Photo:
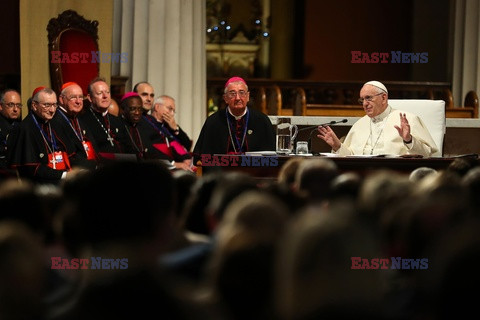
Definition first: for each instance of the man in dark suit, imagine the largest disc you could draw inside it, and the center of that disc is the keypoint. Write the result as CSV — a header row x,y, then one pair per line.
x,y
10,115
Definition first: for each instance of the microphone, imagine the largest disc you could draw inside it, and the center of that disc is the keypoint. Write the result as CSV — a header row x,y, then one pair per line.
x,y
324,124
321,125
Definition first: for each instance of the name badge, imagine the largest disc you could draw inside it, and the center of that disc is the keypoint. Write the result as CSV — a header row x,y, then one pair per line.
x,y
58,160
87,145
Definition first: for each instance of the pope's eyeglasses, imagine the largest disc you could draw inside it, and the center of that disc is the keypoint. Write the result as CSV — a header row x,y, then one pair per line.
x,y
368,98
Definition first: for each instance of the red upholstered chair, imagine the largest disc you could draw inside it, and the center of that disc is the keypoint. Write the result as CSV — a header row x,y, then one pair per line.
x,y
73,47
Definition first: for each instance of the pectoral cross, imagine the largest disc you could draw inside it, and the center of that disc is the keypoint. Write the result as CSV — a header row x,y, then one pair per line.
x,y
53,161
110,139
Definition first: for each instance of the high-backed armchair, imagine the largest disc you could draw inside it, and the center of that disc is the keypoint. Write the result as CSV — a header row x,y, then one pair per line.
x,y
73,46
432,113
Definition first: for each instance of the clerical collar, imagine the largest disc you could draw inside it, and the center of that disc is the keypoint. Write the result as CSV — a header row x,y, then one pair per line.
x,y
65,112
39,119
237,117
104,113
382,115
131,123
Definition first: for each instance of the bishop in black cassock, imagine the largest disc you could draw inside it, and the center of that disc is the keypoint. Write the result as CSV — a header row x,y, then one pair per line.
x,y
150,142
237,128
71,105
104,130
6,126
30,144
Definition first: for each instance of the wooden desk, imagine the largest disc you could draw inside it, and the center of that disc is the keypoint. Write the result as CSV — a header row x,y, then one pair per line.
x,y
362,165
461,135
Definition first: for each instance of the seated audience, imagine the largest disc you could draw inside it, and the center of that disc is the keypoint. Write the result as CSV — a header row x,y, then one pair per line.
x,y
240,276
137,238
23,277
313,267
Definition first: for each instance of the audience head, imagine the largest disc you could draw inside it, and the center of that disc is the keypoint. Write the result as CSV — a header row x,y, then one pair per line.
x,y
104,218
184,184
131,106
380,190
11,105
236,95
287,173
71,98
163,105
461,166
20,202
22,273
346,186
471,180
145,91
452,278
242,263
99,94
230,186
196,207
314,273
374,98
44,103
420,173
416,221
314,178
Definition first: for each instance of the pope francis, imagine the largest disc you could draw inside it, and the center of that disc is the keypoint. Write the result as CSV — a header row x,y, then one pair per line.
x,y
383,130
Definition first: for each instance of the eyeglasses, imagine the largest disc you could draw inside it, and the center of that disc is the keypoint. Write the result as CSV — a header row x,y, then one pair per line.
x,y
368,98
233,94
47,105
10,105
75,98
135,109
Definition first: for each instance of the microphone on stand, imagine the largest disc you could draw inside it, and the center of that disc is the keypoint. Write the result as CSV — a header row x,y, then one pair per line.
x,y
324,124
315,128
